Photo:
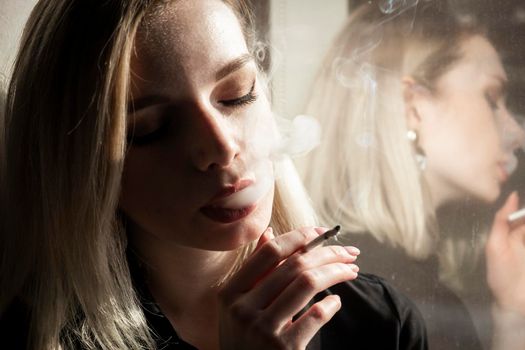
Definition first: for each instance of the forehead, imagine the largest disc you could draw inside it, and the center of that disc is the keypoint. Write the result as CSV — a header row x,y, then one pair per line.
x,y
479,63
481,54
193,37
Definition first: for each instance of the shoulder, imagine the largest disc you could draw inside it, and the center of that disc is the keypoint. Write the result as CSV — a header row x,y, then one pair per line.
x,y
374,315
381,300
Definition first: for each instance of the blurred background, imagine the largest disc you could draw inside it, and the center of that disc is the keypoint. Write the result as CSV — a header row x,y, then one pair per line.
x,y
298,33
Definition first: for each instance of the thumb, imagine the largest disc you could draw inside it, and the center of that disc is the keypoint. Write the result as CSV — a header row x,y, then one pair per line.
x,y
510,206
501,224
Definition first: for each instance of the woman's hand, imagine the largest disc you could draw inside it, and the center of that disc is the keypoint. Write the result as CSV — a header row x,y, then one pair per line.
x,y
505,253
258,303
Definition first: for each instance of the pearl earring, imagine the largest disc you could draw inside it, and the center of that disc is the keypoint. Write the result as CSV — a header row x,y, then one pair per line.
x,y
420,157
412,135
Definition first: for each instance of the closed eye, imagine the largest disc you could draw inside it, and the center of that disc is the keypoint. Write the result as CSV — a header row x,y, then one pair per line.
x,y
150,127
493,103
139,140
247,99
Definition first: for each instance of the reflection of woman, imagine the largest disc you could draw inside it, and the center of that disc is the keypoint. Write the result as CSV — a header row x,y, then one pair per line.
x,y
412,105
157,110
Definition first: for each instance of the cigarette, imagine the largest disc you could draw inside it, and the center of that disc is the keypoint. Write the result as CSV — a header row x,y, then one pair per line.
x,y
517,215
319,240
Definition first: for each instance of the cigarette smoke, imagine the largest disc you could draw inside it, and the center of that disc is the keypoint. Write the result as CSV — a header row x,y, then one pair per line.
x,y
297,137
290,138
512,136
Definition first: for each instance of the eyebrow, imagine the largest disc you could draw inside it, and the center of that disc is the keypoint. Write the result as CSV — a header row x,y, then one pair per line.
x,y
234,65
142,102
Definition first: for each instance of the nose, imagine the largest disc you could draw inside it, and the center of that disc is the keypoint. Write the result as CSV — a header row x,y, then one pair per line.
x,y
215,143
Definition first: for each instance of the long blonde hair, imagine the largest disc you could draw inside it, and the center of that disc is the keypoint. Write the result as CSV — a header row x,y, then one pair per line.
x,y
364,174
62,244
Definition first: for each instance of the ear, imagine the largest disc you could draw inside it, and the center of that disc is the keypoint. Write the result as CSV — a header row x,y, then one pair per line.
x,y
414,95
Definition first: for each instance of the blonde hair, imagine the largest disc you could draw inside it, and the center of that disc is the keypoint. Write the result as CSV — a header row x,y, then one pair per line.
x,y
364,174
63,246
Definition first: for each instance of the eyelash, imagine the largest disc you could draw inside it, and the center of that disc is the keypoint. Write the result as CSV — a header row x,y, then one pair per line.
x,y
493,104
247,99
148,138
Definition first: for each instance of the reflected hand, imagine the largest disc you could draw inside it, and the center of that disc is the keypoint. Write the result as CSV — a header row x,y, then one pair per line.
x,y
505,251
257,304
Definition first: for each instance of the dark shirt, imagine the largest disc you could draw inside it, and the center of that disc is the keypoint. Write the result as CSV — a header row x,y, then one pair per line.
x,y
373,316
448,321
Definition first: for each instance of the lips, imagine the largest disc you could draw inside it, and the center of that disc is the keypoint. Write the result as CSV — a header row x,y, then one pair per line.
x,y
511,164
507,166
228,190
217,209
225,215
504,172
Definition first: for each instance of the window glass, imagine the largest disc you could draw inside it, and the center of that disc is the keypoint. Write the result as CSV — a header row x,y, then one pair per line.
x,y
421,105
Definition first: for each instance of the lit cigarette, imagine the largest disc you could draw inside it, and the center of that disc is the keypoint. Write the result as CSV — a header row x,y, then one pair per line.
x,y
517,215
319,240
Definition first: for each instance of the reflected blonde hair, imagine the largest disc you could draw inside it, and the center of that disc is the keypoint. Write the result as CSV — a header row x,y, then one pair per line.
x,y
364,174
62,244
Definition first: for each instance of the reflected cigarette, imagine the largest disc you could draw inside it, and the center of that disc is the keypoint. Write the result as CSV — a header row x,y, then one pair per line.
x,y
319,240
517,215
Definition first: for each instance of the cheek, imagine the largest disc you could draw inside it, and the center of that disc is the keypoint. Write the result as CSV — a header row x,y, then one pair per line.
x,y
131,190
467,132
462,144
259,131
150,188
483,138
262,219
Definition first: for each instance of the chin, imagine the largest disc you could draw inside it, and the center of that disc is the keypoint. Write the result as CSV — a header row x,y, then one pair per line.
x,y
233,237
488,196
236,235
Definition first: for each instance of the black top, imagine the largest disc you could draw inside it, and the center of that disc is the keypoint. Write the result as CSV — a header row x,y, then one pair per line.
x,y
373,316
448,321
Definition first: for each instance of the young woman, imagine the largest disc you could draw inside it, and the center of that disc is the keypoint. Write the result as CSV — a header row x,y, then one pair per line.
x,y
141,206
412,105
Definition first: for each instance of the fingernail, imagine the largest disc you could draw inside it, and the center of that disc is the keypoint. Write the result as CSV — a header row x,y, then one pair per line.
x,y
320,230
353,250
269,232
336,299
354,268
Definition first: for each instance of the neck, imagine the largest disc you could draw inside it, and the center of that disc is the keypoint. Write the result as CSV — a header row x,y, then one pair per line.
x,y
184,283
440,192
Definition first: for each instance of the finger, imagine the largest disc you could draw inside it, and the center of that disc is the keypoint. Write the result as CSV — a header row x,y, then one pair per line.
x,y
512,211
269,255
500,226
517,228
265,237
273,284
306,326
299,293
510,205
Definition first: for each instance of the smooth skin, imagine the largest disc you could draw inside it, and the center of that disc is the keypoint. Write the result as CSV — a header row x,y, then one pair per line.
x,y
464,127
198,104
276,284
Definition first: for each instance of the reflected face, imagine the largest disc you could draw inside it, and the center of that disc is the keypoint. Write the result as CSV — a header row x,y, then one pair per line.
x,y
463,125
198,130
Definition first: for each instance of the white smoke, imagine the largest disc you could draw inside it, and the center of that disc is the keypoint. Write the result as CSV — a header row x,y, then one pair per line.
x,y
292,138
